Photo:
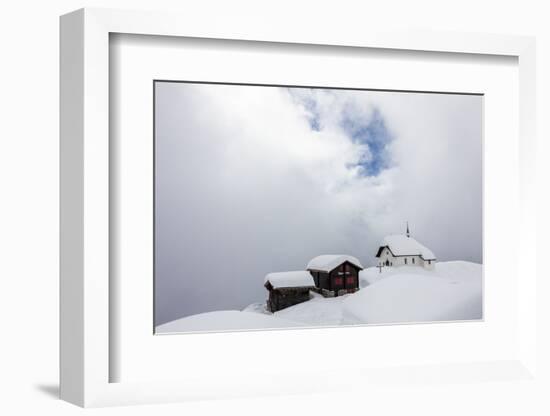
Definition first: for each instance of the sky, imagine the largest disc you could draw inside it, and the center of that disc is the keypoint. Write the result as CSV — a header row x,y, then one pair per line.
x,y
254,179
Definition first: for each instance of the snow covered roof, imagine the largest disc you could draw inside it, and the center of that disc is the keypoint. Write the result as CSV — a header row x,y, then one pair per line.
x,y
290,279
401,245
328,262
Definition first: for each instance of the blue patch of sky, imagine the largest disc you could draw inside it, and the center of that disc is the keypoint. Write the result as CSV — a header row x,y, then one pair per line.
x,y
374,135
313,117
370,133
310,105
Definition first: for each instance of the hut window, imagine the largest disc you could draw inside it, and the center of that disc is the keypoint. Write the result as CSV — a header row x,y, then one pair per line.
x,y
338,280
413,260
350,280
405,260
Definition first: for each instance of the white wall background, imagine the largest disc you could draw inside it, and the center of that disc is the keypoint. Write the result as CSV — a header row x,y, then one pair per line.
x,y
29,192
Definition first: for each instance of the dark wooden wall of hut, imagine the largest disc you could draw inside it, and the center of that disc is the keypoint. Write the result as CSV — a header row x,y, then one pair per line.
x,y
346,272
285,297
329,281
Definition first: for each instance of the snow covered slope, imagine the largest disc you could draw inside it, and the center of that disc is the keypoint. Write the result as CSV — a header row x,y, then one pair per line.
x,y
317,311
225,321
453,291
410,294
374,274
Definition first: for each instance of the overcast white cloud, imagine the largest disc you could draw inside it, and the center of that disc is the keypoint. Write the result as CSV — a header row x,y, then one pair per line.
x,y
251,180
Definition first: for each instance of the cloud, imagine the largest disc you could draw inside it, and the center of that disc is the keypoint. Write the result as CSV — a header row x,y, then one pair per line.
x,y
252,180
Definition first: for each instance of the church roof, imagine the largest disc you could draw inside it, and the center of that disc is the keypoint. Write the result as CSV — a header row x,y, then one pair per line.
x,y
401,245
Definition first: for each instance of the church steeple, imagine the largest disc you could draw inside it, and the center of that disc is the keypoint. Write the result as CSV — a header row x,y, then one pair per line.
x,y
408,232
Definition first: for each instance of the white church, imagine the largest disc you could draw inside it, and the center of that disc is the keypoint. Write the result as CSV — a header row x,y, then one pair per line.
x,y
403,250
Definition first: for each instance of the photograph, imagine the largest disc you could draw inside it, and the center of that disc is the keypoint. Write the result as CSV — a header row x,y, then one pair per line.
x,y
285,207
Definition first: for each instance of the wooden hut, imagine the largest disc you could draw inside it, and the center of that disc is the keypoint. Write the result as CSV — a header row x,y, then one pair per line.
x,y
335,275
287,289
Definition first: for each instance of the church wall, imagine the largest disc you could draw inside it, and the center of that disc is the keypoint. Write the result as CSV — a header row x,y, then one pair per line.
x,y
400,260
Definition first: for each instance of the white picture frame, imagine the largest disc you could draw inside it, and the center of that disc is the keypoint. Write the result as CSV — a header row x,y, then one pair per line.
x,y
85,205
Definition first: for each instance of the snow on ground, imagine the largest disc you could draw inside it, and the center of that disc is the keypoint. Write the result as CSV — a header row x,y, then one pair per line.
x,y
452,291
461,270
225,321
317,311
412,294
374,274
257,307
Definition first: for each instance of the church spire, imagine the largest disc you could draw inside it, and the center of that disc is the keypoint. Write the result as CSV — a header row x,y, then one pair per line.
x,y
408,232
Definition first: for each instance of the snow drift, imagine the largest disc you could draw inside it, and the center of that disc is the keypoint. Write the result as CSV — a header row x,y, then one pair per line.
x,y
450,292
409,294
225,321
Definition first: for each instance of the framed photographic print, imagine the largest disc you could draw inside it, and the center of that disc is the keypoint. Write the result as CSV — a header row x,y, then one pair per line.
x,y
285,207
287,198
